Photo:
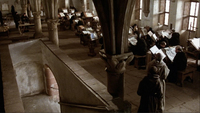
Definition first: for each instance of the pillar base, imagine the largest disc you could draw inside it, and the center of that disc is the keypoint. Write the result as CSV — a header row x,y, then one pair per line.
x,y
38,35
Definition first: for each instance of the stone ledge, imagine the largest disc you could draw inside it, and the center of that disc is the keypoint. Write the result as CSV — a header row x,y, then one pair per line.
x,y
12,99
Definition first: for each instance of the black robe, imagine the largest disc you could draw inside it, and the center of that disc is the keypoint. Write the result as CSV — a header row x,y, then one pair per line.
x,y
150,90
140,48
179,64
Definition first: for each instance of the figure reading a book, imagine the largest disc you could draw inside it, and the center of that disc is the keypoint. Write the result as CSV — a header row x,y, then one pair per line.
x,y
179,63
150,90
140,48
161,40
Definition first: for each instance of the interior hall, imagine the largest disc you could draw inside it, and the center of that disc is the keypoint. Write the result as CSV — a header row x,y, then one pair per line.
x,y
93,56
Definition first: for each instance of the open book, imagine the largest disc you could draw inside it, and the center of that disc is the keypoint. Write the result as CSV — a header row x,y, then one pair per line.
x,y
87,14
155,50
65,10
195,42
62,14
144,31
153,36
86,32
132,40
171,53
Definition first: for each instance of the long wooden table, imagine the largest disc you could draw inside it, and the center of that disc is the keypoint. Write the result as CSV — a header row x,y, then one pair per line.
x,y
21,27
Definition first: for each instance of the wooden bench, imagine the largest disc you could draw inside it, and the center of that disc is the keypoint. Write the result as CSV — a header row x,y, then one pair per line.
x,y
139,61
181,75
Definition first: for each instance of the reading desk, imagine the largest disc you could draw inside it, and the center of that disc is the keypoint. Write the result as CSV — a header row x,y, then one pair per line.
x,y
22,27
194,48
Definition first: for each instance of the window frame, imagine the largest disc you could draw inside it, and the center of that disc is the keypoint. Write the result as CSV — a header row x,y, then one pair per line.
x,y
186,17
138,8
163,13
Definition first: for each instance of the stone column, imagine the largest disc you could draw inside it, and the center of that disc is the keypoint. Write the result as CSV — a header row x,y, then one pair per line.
x,y
24,9
38,26
115,68
24,6
115,23
36,9
51,12
84,5
67,4
53,30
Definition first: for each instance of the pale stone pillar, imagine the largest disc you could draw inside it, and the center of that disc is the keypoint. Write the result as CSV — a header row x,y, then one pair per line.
x,y
38,26
51,12
53,30
36,10
84,5
24,8
67,3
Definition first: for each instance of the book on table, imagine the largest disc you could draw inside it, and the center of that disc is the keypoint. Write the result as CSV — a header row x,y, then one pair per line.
x,y
171,52
154,50
195,42
132,39
144,31
62,14
65,10
153,36
93,36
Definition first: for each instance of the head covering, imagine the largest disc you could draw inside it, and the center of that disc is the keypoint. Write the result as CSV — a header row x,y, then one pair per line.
x,y
179,48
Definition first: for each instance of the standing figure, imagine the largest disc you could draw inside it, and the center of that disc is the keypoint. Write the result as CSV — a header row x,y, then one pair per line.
x,y
16,19
13,11
150,90
140,48
163,71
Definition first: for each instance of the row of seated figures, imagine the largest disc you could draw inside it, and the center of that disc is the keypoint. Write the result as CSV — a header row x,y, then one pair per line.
x,y
85,24
71,18
147,39
89,37
171,39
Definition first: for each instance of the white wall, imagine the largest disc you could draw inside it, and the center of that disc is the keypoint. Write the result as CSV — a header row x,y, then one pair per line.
x,y
27,62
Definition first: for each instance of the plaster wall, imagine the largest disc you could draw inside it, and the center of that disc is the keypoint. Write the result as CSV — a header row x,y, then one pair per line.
x,y
78,4
62,3
27,62
76,86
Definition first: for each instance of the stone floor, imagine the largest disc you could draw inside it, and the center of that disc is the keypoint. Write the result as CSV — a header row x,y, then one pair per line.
x,y
178,99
